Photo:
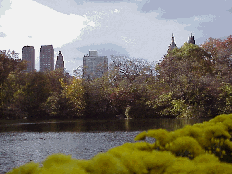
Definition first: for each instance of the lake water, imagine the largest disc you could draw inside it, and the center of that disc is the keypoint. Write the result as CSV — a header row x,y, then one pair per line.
x,y
34,141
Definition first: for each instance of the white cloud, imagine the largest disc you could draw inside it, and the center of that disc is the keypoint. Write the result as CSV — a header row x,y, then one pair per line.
x,y
30,23
4,5
142,35
81,24
2,34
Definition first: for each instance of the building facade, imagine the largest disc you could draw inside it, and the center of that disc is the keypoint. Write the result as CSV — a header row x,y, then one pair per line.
x,y
46,58
94,66
28,54
59,61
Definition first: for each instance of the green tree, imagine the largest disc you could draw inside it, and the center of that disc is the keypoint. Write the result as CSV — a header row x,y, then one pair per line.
x,y
10,65
190,90
67,103
10,73
97,97
73,93
34,93
122,87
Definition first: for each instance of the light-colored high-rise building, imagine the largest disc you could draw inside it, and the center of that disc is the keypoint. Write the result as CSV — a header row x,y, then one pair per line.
x,y
46,58
59,61
28,54
94,66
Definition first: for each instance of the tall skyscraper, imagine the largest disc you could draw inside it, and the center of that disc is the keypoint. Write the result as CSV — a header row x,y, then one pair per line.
x,y
28,54
46,58
94,66
59,61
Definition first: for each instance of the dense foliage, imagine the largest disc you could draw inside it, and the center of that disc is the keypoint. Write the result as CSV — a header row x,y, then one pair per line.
x,y
38,95
204,148
191,81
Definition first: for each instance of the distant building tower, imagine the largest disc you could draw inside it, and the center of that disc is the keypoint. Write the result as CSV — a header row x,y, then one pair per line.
x,y
10,54
28,54
191,39
14,55
59,61
46,58
94,66
172,45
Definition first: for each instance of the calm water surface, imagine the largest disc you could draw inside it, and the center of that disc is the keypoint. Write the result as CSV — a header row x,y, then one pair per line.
x,y
34,141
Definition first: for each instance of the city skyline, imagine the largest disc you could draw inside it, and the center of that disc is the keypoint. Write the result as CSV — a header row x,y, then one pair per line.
x,y
136,28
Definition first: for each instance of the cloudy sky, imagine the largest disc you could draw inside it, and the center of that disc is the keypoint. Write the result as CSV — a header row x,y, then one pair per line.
x,y
137,28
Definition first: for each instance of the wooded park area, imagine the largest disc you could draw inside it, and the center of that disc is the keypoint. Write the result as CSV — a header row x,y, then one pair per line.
x,y
191,81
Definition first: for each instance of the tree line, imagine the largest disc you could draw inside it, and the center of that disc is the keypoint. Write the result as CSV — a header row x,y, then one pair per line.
x,y
191,81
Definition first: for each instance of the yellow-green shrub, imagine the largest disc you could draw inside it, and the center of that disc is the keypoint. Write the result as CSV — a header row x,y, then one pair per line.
x,y
208,137
185,146
29,168
106,163
192,149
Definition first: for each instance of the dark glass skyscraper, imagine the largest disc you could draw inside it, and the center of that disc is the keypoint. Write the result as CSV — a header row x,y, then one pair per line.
x,y
28,54
46,58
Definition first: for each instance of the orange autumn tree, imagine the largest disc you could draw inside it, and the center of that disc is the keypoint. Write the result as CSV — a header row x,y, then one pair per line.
x,y
221,57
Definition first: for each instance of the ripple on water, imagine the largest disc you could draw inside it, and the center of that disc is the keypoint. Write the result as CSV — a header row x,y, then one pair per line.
x,y
18,148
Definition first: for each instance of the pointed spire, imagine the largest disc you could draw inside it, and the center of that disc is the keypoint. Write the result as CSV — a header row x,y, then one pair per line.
x,y
172,45
59,61
173,39
191,39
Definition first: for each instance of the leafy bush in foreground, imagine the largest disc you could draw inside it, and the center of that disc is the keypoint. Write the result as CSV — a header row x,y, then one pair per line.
x,y
213,137
201,148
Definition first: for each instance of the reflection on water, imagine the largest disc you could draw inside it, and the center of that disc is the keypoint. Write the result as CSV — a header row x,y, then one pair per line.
x,y
20,143
99,125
